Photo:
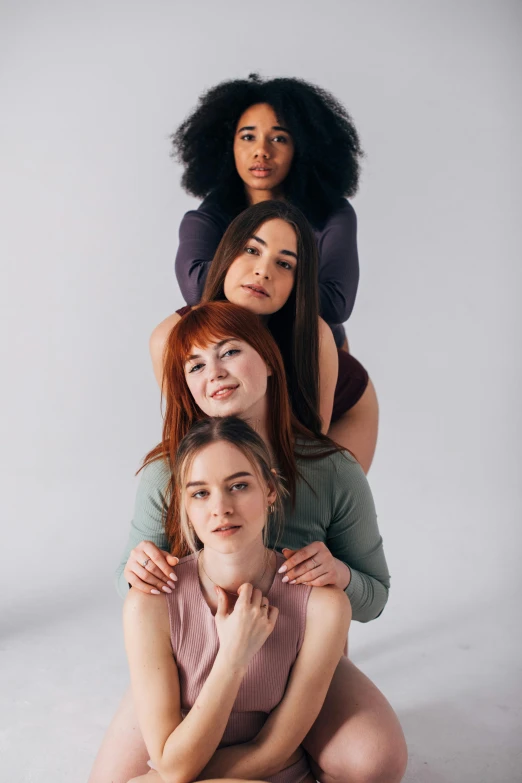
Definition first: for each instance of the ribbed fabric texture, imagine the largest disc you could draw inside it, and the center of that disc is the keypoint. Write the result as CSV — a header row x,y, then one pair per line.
x,y
195,644
334,504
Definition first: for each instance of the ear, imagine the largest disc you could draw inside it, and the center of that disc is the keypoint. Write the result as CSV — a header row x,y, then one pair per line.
x,y
271,497
268,370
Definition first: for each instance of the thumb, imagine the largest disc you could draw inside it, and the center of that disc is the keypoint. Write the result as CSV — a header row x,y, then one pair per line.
x,y
172,560
288,552
222,607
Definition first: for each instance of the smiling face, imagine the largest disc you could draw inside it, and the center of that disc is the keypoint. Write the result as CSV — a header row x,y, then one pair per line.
x,y
262,277
263,152
228,378
225,498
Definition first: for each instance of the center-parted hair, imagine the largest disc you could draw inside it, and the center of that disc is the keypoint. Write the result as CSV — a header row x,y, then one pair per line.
x,y
235,431
295,326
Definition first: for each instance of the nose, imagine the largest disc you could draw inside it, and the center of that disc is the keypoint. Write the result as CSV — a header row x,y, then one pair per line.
x,y
262,149
222,506
216,370
262,268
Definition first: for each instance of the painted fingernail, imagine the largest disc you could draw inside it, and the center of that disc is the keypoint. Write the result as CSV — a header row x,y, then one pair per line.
x,y
166,589
173,577
293,581
155,592
171,584
282,569
284,579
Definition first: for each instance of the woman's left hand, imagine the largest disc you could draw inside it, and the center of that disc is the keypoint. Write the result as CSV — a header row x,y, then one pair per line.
x,y
314,565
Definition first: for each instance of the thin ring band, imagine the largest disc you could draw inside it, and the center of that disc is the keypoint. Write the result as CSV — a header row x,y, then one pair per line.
x,y
315,564
144,564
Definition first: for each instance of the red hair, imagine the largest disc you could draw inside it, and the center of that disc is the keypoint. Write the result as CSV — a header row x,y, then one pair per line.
x,y
205,324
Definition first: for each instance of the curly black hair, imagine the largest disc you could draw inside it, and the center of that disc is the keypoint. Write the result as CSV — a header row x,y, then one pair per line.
x,y
326,162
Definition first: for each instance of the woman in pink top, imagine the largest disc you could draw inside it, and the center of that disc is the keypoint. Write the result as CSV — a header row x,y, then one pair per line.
x,y
230,671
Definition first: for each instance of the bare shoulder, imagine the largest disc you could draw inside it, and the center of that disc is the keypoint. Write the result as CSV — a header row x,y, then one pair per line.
x,y
324,329
328,607
147,612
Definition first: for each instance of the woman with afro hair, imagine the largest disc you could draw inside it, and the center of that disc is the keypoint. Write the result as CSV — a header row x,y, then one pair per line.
x,y
251,140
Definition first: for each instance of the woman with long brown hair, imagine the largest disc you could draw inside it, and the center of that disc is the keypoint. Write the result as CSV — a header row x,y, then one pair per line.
x,y
221,361
267,262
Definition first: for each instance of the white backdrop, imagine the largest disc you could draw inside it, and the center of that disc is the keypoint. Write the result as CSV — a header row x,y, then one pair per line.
x,y
90,207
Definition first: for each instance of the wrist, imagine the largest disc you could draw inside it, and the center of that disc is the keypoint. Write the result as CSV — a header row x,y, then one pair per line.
x,y
232,661
344,575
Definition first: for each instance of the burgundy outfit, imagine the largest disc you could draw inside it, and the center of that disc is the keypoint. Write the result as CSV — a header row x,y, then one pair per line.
x,y
195,644
201,231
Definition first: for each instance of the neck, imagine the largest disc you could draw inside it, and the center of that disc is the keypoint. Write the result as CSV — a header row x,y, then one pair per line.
x,y
257,417
256,196
231,570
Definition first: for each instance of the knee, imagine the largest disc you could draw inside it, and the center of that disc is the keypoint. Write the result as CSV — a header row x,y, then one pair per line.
x,y
380,764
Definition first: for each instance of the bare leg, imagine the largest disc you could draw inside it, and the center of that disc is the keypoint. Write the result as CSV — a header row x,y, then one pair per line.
x,y
356,430
123,754
357,737
153,777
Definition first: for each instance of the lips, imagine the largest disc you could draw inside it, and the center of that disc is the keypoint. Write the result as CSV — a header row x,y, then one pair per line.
x,y
256,289
227,530
260,171
223,392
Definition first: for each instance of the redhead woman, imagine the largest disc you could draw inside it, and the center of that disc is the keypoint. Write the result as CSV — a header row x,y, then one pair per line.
x,y
219,361
267,262
231,692
251,140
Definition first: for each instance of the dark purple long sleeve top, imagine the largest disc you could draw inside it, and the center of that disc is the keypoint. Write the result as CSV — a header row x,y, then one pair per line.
x,y
201,230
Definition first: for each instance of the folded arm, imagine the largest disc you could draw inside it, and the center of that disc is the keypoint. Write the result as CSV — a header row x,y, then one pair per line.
x,y
179,749
327,623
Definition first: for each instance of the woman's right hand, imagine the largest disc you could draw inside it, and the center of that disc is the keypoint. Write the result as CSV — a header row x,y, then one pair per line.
x,y
244,630
150,569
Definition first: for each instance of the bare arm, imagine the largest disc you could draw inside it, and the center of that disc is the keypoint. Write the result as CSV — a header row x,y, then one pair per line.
x,y
157,342
328,371
327,623
180,748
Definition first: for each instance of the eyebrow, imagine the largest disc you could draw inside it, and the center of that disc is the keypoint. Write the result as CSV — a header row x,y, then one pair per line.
x,y
282,252
217,346
274,127
239,474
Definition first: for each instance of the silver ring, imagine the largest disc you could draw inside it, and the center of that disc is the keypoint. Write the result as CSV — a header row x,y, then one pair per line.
x,y
315,564
144,564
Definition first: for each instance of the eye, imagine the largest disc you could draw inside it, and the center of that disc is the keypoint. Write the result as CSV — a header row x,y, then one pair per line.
x,y
251,250
231,352
239,487
195,367
285,265
247,137
200,494
280,138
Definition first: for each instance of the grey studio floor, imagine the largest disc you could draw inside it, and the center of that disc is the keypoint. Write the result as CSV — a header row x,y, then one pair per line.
x,y
454,680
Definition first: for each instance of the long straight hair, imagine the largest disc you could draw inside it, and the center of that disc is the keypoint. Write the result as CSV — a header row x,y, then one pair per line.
x,y
295,327
205,324
235,431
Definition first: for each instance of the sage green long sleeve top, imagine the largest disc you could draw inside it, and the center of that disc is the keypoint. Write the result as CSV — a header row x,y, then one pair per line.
x,y
334,504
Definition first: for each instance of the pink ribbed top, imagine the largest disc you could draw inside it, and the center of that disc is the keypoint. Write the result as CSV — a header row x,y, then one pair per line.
x,y
195,644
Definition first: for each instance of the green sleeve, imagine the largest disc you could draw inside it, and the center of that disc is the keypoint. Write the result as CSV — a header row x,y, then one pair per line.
x,y
353,537
149,514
